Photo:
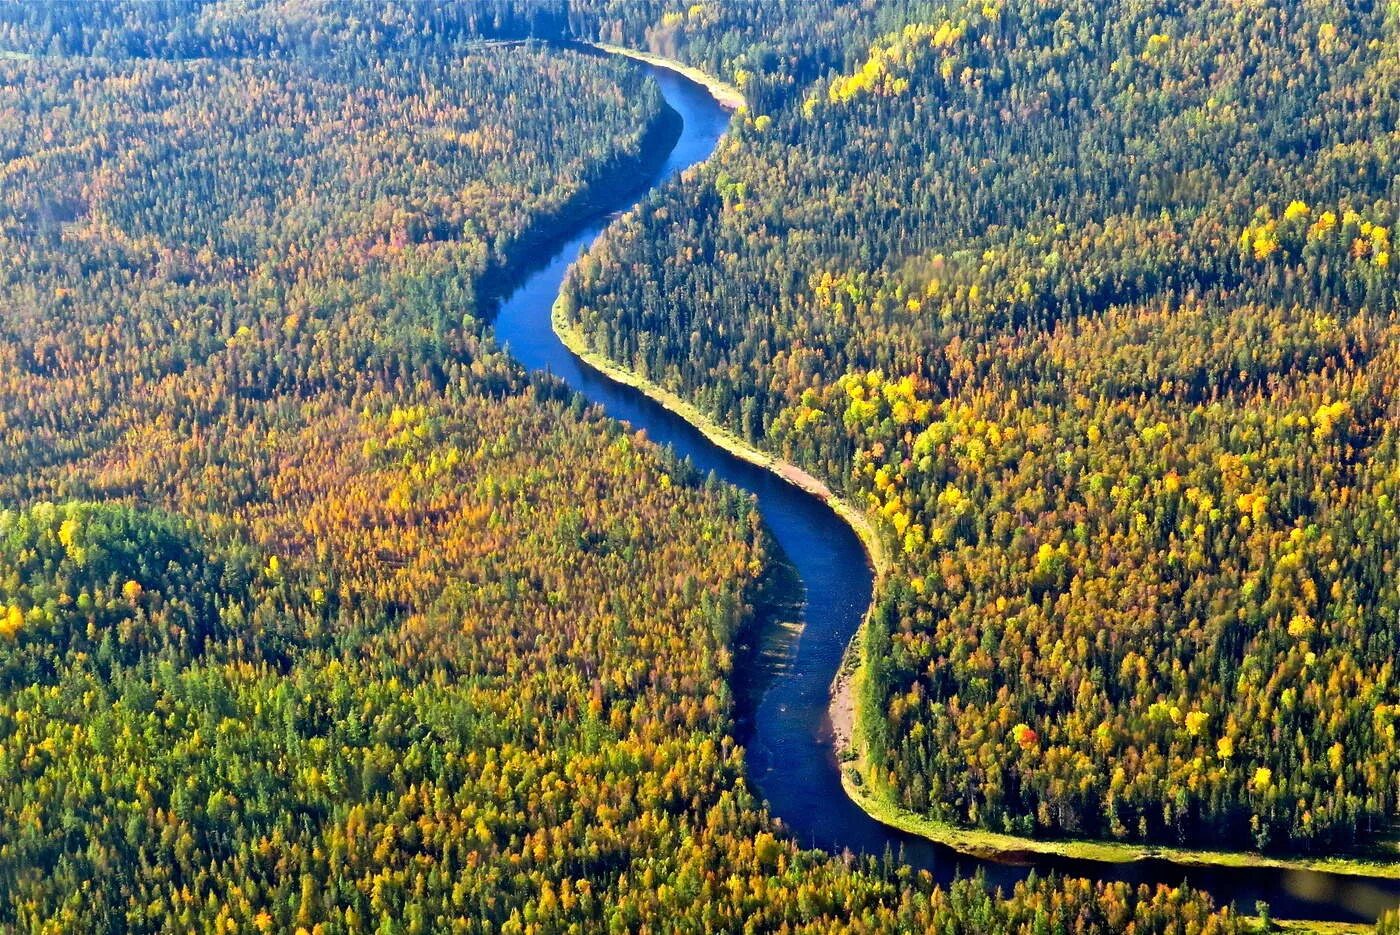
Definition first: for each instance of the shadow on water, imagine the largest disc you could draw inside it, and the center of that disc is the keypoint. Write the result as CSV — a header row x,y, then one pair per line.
x,y
782,681
764,649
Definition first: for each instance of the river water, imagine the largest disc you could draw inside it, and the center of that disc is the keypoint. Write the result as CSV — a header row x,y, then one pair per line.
x,y
782,694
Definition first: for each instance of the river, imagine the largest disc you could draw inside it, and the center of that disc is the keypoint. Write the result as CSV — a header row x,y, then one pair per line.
x,y
783,696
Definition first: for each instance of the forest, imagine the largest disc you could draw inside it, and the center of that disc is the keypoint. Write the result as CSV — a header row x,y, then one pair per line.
x,y
317,613
1092,307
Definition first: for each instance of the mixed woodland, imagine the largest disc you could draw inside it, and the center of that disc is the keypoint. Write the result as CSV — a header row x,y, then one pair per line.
x,y
317,614
1092,306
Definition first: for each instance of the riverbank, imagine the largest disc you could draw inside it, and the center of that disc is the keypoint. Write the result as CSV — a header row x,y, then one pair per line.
x,y
604,185
995,846
1291,927
878,802
724,93
843,711
573,338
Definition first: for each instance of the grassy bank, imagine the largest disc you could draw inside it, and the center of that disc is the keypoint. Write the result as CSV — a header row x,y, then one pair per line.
x,y
1289,927
993,845
573,338
722,91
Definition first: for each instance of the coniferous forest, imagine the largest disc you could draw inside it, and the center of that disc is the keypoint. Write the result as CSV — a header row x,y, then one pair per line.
x,y
1091,305
319,614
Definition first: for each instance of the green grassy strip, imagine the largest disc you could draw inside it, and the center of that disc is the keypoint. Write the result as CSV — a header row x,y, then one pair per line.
x,y
1290,927
993,844
722,91
573,338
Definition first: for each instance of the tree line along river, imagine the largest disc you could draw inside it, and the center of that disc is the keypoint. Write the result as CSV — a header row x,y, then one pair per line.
x,y
783,693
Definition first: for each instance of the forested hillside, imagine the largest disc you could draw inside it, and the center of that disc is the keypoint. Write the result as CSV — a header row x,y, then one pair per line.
x,y
316,613
1092,306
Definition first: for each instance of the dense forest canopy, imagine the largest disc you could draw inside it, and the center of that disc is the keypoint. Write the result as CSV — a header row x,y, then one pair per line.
x,y
316,613
1092,305
320,615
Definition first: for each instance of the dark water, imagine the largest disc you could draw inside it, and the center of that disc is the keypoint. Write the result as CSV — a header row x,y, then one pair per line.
x,y
783,701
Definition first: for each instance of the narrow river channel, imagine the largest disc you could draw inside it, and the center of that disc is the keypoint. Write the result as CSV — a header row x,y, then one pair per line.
x,y
782,711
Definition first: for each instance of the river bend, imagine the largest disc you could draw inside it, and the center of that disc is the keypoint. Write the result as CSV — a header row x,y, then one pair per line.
x,y
783,696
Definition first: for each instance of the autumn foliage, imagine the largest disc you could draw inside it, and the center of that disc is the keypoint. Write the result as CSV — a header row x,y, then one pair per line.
x,y
1092,306
319,615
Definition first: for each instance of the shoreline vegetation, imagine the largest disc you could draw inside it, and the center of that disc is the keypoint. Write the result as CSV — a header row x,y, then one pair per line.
x,y
727,95
844,712
654,142
573,338
844,716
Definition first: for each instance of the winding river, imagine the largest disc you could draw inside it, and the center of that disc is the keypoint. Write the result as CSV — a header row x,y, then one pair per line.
x,y
783,693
